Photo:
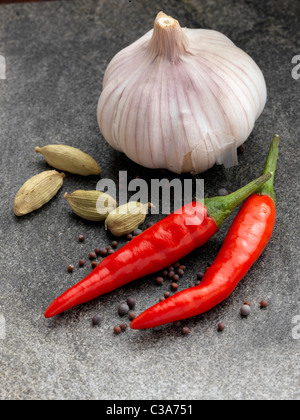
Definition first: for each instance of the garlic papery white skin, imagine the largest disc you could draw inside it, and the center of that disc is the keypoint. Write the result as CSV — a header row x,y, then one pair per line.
x,y
180,99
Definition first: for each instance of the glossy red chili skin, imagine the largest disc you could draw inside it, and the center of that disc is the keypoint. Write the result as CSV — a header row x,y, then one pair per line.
x,y
156,248
244,243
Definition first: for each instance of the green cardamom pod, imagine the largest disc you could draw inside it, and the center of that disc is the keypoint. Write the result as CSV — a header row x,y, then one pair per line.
x,y
69,159
91,205
37,191
126,218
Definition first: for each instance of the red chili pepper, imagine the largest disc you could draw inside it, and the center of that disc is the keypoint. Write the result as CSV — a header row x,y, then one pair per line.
x,y
244,243
156,248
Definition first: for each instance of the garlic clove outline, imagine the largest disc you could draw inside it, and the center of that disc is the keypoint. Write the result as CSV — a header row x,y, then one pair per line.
x,y
180,99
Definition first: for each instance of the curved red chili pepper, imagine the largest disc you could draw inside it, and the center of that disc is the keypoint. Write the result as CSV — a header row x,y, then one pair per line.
x,y
244,243
156,248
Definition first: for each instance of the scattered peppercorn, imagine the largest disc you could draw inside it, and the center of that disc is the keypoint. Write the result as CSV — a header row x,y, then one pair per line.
x,y
242,148
221,326
247,303
70,268
81,263
161,299
92,256
123,309
177,265
182,267
96,320
103,252
114,244
180,272
171,274
245,310
167,295
81,238
222,192
137,232
129,237
159,281
185,331
94,264
117,330
97,251
165,273
123,326
200,275
198,282
263,304
174,287
150,224
131,302
176,278
170,268
110,252
131,316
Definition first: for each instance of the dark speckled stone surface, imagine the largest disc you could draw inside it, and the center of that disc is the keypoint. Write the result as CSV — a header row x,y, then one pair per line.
x,y
56,55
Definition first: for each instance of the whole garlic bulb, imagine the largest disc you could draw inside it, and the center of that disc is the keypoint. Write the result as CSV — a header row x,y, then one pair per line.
x,y
180,99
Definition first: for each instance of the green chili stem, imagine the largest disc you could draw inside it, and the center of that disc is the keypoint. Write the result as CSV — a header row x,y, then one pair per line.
x,y
268,187
219,208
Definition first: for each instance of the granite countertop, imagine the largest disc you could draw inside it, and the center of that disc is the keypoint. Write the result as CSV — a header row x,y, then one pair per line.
x,y
56,54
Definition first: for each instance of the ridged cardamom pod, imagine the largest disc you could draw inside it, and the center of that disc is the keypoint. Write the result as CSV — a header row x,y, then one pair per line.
x,y
69,159
91,205
37,191
125,219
